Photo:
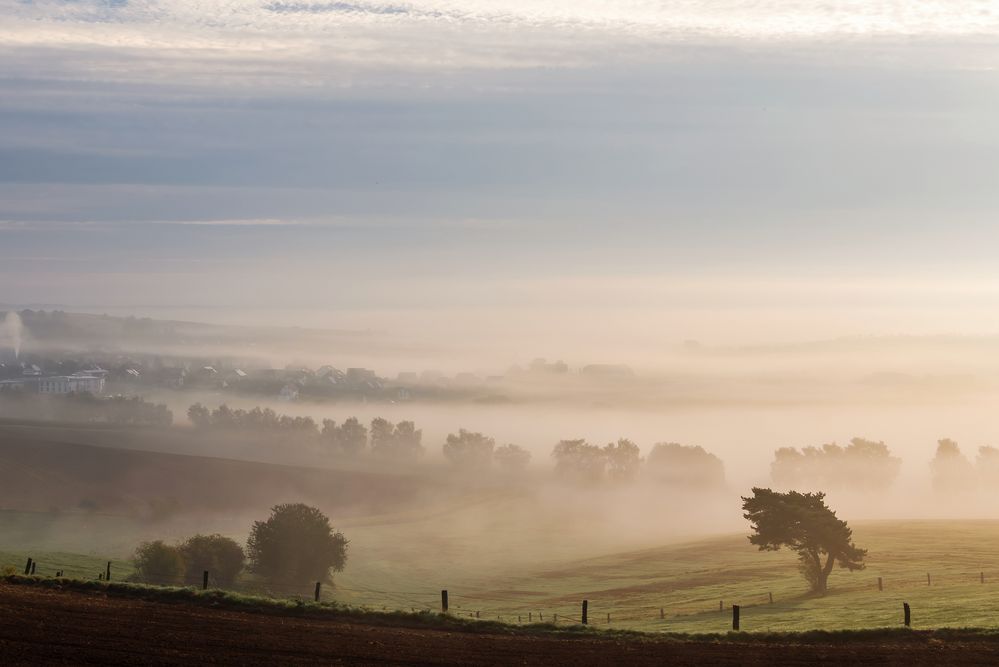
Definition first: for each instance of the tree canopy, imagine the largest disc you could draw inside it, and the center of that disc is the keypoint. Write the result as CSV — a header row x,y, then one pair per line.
x,y
512,458
803,523
686,466
863,465
469,450
296,544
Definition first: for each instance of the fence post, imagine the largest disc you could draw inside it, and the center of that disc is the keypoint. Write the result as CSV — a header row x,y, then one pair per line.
x,y
204,581
608,618
27,567
735,617
586,604
908,615
721,607
444,602
530,617
662,613
319,586
476,614
33,566
771,598
927,578
107,577
881,585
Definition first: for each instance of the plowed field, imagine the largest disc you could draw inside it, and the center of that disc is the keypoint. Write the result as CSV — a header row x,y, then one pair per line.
x,y
46,626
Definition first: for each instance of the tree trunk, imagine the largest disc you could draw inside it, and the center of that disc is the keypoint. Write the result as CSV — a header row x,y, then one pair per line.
x,y
822,582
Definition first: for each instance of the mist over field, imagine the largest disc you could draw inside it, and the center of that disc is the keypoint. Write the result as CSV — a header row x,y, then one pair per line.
x,y
672,307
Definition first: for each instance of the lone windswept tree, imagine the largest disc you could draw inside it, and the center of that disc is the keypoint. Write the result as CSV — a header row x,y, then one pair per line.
x,y
803,523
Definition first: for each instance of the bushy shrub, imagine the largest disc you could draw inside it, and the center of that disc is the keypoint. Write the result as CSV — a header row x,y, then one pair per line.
x,y
158,563
221,556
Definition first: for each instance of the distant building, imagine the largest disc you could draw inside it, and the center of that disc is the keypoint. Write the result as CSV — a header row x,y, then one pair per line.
x,y
56,384
68,384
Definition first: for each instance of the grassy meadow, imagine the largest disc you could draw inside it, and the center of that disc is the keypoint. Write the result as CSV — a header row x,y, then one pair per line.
x,y
674,588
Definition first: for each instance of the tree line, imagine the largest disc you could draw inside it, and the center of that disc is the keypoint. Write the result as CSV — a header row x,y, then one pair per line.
x,y
868,465
470,451
952,471
295,545
400,441
621,462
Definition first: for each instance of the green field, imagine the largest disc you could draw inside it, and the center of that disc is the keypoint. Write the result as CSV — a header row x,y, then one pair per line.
x,y
73,566
685,581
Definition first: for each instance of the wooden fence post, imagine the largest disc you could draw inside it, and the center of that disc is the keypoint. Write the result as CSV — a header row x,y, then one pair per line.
x,y
33,566
735,617
476,614
204,581
586,604
721,607
319,586
881,584
530,617
444,602
771,598
662,613
908,615
927,578
608,618
27,567
107,576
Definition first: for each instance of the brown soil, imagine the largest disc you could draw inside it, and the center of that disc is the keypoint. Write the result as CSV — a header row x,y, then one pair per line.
x,y
48,626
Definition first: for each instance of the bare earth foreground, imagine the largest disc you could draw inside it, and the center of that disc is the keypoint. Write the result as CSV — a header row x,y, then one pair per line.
x,y
46,626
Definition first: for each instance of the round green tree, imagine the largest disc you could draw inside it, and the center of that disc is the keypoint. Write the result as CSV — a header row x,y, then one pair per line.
x,y
296,544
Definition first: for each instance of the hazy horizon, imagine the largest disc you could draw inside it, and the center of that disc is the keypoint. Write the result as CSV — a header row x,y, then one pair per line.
x,y
499,180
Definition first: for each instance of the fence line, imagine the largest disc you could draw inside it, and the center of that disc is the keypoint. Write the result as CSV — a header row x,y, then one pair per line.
x,y
558,610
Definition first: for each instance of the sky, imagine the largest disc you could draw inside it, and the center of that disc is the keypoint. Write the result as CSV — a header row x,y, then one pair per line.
x,y
535,176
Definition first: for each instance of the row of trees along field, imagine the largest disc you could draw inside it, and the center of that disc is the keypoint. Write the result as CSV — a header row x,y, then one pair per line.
x,y
866,465
953,472
621,461
401,441
84,407
576,460
295,545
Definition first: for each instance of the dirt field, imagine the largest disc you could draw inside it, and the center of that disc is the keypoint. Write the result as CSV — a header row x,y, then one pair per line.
x,y
44,626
